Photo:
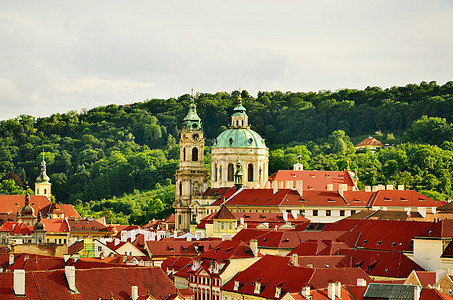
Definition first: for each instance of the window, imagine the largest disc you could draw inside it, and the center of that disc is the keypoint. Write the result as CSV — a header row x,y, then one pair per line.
x,y
99,248
195,154
180,188
328,213
230,172
352,212
222,226
45,191
215,172
250,172
315,212
342,213
184,154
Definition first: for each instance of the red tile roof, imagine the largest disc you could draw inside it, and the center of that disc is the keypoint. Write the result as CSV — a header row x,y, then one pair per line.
x,y
322,261
403,198
17,228
86,225
276,271
433,294
426,278
223,214
91,283
55,225
228,250
314,180
370,141
172,247
382,263
13,203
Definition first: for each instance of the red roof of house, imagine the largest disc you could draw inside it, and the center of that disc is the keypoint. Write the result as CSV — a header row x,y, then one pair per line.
x,y
17,228
403,198
314,180
223,214
86,225
55,225
68,210
13,203
175,263
382,263
263,197
91,283
218,192
324,261
228,250
276,271
432,294
383,234
426,278
172,247
370,141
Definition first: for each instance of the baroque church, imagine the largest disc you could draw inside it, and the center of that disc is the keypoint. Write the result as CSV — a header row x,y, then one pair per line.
x,y
239,157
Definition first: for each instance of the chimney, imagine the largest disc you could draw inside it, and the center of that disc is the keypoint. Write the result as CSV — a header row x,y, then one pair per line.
x,y
75,257
338,289
19,282
288,184
331,290
342,188
368,188
66,257
300,187
267,185
134,292
281,184
275,186
69,272
417,291
381,187
117,241
389,187
285,216
242,221
133,234
11,259
361,282
306,291
330,187
175,233
374,188
295,259
254,247
400,187
188,238
294,214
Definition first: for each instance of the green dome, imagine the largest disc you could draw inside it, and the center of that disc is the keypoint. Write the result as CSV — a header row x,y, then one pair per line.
x,y
239,138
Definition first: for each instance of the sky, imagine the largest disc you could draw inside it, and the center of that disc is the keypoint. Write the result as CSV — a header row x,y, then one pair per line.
x,y
57,56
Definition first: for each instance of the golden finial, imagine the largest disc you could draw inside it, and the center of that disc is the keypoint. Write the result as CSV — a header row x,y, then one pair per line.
x,y
191,95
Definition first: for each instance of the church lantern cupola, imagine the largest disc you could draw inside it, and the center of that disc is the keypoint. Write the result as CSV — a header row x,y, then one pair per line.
x,y
42,184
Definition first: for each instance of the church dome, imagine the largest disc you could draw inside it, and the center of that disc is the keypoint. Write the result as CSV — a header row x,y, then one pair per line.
x,y
239,138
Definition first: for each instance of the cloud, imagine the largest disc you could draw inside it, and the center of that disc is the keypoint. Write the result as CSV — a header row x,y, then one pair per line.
x,y
59,56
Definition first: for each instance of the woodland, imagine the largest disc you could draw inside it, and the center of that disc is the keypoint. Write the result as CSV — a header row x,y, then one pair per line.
x,y
119,161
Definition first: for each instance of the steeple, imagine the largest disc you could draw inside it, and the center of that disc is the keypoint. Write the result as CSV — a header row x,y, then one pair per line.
x,y
192,121
239,119
43,178
42,184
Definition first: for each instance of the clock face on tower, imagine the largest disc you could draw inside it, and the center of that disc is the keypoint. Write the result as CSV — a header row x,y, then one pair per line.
x,y
195,136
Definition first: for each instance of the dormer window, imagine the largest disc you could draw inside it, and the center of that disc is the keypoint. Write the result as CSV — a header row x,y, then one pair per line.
x,y
257,288
236,285
278,292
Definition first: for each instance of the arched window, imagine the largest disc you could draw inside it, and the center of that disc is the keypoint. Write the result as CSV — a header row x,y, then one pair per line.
x,y
215,172
250,173
220,173
230,172
184,154
180,188
242,123
179,219
195,154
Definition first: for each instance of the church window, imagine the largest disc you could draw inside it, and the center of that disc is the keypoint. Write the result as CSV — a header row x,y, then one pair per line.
x,y
220,173
45,191
215,172
230,172
250,172
184,154
195,154
180,188
179,219
242,123
231,141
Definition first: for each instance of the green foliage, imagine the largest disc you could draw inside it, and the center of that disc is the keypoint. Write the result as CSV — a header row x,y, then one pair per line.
x,y
113,150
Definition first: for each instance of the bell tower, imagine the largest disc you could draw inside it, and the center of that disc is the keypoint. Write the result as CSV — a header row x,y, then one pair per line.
x,y
191,178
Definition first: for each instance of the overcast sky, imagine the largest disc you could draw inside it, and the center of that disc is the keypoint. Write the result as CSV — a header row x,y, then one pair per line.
x,y
57,56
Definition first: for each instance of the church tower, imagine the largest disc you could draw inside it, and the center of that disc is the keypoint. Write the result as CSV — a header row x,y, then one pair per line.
x,y
42,184
191,178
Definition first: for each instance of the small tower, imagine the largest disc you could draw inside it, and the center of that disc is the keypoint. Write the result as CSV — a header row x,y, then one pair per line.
x,y
27,213
42,185
191,178
39,230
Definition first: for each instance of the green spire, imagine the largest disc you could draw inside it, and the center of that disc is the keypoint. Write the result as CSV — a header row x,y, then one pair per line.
x,y
192,121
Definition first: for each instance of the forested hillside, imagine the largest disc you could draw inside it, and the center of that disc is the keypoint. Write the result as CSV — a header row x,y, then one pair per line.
x,y
113,150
